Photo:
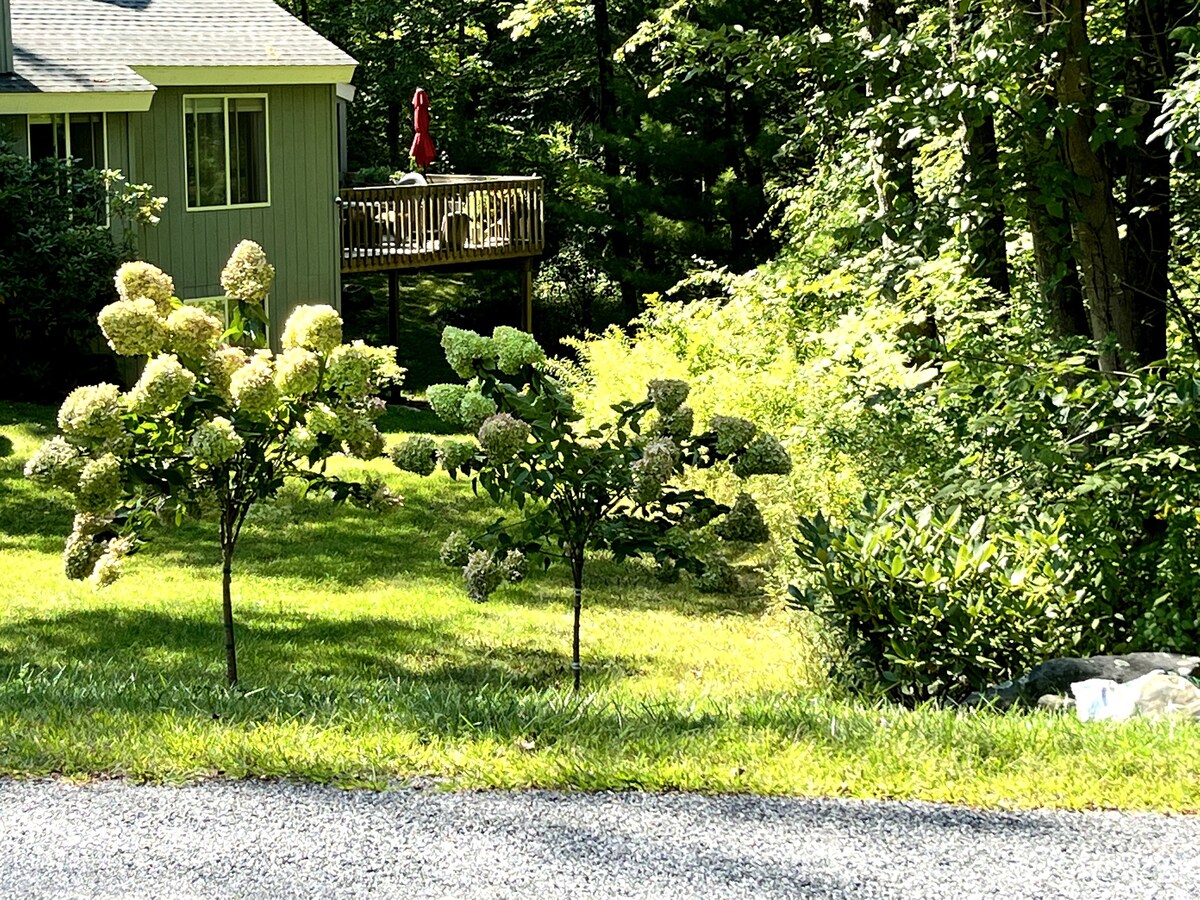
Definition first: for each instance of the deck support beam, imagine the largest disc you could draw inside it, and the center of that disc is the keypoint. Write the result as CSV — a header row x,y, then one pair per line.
x,y
527,296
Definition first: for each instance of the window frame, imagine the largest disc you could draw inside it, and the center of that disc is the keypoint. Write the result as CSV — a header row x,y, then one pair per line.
x,y
66,117
225,98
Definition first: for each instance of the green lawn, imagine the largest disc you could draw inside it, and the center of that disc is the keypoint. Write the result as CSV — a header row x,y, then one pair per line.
x,y
363,663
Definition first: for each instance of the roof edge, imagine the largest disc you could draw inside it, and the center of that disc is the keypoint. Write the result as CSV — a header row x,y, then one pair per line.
x,y
204,76
34,102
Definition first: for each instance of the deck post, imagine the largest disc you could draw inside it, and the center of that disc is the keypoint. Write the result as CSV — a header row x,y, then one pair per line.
x,y
527,296
394,317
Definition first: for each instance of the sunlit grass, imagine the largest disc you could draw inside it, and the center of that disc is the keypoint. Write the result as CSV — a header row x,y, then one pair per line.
x,y
363,663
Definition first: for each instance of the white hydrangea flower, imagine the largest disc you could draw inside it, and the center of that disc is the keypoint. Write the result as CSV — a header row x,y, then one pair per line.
x,y
446,400
667,394
297,372
733,434
360,438
253,385
464,348
192,332
515,349
765,455
111,563
216,441
502,436
133,327
300,441
317,328
82,549
321,419
99,489
92,413
164,383
475,409
660,458
356,369
417,453
248,276
56,463
139,279
221,364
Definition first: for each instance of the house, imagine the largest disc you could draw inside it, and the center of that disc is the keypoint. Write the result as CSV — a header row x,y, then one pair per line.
x,y
230,108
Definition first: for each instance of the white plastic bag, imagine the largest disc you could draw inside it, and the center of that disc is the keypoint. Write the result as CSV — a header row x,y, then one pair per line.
x,y
1099,698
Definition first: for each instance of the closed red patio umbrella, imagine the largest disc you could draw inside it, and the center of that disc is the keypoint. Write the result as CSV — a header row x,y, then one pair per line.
x,y
423,151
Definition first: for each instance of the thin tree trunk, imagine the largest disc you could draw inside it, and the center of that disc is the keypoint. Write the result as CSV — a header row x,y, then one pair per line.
x,y
577,578
1100,257
231,673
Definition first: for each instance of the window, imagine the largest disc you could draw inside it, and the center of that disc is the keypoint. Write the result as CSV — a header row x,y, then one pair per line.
x,y
78,136
225,146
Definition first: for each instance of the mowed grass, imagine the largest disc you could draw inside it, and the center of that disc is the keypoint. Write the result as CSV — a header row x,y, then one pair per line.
x,y
362,663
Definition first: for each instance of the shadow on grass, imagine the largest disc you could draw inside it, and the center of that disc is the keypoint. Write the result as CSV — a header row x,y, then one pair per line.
x,y
39,519
346,548
355,655
403,418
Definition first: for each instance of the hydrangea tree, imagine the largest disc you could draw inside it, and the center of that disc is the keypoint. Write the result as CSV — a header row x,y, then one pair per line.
x,y
614,488
208,424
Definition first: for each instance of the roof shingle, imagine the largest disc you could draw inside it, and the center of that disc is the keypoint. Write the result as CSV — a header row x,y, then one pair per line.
x,y
93,45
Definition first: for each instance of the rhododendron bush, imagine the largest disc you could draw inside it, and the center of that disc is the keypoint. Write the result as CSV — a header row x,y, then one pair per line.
x,y
614,487
209,424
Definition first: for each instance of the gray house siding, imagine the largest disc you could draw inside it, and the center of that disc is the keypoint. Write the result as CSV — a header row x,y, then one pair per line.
x,y
299,228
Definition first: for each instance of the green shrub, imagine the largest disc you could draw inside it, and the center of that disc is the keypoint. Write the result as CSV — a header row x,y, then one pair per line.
x,y
929,606
56,262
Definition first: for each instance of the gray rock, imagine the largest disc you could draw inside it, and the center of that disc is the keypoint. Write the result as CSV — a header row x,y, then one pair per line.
x,y
1055,676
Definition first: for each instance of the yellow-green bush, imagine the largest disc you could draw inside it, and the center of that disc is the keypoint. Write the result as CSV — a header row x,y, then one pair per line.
x,y
761,353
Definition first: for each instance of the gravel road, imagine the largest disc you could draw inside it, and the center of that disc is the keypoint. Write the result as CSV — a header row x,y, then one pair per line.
x,y
244,839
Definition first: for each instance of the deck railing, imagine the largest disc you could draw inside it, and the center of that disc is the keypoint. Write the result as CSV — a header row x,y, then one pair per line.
x,y
451,219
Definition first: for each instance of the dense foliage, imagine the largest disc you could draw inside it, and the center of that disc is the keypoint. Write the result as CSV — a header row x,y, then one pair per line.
x,y
210,426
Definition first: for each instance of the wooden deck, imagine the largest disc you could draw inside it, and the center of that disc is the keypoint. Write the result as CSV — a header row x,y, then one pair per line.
x,y
452,220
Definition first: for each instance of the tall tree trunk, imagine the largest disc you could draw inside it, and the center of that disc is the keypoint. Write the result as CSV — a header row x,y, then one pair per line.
x,y
987,245
1149,68
619,239
1046,206
987,240
1100,257
577,558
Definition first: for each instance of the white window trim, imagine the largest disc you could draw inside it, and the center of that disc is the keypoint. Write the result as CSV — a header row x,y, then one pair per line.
x,y
66,132
225,98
